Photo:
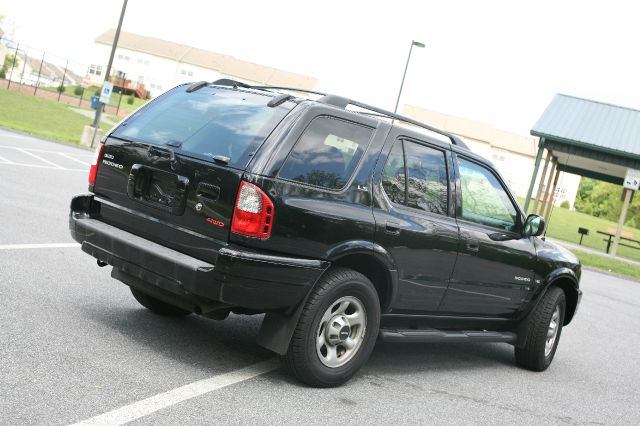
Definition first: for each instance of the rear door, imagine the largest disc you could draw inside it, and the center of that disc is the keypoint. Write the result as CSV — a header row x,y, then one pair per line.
x,y
170,173
414,221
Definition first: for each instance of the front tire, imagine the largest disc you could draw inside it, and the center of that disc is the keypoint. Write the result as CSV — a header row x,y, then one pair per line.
x,y
337,330
543,331
157,306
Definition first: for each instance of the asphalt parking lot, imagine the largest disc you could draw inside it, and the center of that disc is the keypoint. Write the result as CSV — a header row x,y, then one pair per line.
x,y
74,344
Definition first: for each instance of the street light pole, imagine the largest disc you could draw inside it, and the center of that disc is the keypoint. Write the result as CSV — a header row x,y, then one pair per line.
x,y
96,120
416,44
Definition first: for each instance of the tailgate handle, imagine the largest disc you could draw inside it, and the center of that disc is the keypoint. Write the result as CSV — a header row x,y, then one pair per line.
x,y
154,151
207,192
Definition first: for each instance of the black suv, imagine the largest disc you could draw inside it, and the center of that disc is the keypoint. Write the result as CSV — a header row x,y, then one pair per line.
x,y
340,224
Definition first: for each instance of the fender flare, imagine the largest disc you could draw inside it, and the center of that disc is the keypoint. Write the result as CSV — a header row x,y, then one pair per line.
x,y
277,328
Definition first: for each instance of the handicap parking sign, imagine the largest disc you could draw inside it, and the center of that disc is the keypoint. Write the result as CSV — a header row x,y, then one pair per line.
x,y
105,94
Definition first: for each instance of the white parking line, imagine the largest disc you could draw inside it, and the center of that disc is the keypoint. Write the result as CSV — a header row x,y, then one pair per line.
x,y
85,153
73,159
5,161
37,246
152,404
44,160
44,167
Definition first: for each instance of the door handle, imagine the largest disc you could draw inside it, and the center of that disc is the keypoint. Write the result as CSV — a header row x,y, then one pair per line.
x,y
392,228
473,245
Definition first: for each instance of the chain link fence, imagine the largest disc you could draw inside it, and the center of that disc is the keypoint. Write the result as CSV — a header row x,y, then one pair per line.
x,y
34,71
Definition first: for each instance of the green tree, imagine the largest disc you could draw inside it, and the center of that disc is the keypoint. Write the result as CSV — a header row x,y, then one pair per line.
x,y
603,199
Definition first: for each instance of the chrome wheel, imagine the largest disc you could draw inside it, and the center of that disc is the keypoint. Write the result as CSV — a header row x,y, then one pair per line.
x,y
341,331
552,332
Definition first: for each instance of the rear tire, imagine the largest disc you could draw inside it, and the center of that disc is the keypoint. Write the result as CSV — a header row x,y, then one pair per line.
x,y
157,306
543,332
337,330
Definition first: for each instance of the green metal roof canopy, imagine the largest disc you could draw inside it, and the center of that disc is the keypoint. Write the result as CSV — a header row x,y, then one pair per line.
x,y
591,138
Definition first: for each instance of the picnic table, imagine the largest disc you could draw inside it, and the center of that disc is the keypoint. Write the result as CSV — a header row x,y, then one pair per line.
x,y
611,236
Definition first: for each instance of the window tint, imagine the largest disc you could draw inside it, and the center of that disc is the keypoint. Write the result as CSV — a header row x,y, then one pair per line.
x,y
327,153
426,178
425,175
208,122
393,178
484,200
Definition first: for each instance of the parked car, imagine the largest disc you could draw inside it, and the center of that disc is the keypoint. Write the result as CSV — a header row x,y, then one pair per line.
x,y
339,222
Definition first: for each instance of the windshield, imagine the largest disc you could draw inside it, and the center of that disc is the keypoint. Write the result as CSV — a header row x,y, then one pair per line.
x,y
211,121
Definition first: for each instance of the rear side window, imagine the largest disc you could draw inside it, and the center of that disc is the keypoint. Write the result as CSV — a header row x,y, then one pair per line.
x,y
209,122
327,153
415,175
393,176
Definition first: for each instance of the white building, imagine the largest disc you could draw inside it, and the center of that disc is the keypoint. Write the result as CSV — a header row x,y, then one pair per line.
x,y
514,155
157,65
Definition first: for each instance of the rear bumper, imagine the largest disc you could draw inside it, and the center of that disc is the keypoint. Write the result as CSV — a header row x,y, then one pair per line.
x,y
240,278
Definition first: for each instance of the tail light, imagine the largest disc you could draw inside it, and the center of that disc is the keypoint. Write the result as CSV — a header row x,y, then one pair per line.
x,y
93,171
253,212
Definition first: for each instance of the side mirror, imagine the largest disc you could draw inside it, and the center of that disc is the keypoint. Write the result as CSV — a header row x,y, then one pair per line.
x,y
533,226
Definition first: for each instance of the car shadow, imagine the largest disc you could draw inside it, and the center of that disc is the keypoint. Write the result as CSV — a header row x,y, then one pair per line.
x,y
209,345
194,340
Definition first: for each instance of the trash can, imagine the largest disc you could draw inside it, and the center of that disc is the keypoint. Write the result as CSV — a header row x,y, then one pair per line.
x,y
95,100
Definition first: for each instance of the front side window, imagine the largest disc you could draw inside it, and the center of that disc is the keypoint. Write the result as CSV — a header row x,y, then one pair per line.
x,y
327,153
416,177
484,200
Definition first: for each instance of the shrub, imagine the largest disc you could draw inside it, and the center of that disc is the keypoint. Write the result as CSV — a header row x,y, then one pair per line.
x,y
565,204
60,89
78,90
130,100
3,73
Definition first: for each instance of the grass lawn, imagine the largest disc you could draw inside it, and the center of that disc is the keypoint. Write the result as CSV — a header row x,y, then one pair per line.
x,y
41,117
563,225
607,264
91,91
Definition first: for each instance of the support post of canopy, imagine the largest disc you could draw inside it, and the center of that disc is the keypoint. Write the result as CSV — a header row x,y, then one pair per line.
x,y
534,175
623,215
547,188
552,195
544,174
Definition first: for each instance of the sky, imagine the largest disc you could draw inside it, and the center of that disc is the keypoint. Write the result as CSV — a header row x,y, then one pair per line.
x,y
498,62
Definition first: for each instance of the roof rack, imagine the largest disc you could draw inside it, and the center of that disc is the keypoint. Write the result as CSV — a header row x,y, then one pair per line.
x,y
343,103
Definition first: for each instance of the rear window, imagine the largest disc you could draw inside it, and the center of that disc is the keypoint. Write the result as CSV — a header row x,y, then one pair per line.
x,y
327,153
209,122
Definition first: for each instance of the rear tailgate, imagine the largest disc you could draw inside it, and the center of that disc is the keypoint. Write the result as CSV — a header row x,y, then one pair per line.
x,y
170,173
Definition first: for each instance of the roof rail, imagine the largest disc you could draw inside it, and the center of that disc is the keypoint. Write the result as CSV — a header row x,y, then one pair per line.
x,y
455,140
343,103
292,89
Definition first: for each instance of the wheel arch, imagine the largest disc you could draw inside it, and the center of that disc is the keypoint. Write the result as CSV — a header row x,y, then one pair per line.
x,y
566,279
372,261
368,258
569,285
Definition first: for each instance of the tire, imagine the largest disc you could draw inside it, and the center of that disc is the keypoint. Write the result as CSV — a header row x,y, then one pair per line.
x,y
535,355
337,330
157,306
